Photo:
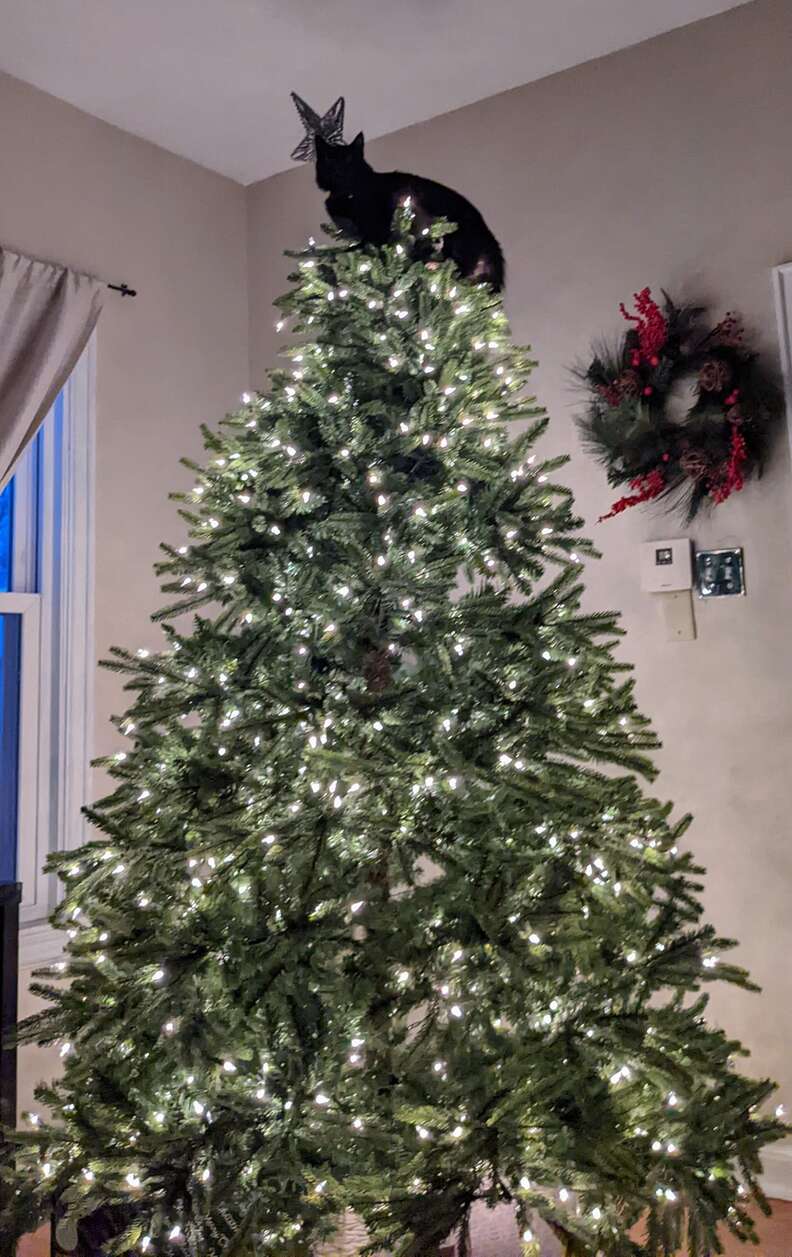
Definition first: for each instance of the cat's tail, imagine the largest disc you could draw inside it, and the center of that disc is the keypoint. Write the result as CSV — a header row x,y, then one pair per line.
x,y
491,267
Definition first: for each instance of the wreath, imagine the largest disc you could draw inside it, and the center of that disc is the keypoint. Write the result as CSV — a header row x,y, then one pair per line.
x,y
675,410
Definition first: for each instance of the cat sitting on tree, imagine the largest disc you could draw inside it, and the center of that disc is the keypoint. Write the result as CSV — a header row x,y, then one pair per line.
x,y
363,201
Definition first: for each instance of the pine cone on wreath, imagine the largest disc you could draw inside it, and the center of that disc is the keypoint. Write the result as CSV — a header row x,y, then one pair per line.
x,y
696,465
715,375
629,384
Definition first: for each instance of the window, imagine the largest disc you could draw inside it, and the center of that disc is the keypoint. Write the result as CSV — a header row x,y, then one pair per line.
x,y
9,700
46,653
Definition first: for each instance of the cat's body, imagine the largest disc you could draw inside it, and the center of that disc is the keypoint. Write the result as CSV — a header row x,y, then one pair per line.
x,y
363,201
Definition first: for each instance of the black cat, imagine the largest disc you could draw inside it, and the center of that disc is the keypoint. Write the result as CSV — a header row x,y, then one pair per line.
x,y
362,203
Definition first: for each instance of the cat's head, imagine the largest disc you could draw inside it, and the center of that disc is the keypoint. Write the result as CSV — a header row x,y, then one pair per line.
x,y
340,166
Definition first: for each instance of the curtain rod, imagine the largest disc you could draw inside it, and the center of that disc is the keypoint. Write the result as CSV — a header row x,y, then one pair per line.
x,y
122,288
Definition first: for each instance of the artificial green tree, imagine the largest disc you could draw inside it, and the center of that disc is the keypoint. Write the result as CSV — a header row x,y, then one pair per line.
x,y
377,915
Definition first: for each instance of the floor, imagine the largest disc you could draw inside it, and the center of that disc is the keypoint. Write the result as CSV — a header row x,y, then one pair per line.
x,y
501,1241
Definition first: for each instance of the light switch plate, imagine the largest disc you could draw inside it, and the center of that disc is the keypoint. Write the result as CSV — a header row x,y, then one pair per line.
x,y
720,573
666,565
680,623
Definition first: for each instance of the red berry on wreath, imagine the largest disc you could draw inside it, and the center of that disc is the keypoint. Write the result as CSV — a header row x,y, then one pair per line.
x,y
636,358
654,360
666,458
648,391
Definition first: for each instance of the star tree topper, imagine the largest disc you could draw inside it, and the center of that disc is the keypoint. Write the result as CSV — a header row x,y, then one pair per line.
x,y
330,126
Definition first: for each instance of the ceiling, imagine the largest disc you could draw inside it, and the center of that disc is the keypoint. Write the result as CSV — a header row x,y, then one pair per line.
x,y
210,79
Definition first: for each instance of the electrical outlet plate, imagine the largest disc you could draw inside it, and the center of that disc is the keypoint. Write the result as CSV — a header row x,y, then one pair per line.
x,y
720,573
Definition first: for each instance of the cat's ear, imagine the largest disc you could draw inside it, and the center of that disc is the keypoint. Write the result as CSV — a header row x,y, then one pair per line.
x,y
357,144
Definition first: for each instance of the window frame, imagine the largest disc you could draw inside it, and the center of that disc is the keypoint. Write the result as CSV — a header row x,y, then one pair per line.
x,y
53,584
782,297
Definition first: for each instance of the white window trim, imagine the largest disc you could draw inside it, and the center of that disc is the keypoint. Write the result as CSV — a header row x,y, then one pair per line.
x,y
56,720
782,293
776,1179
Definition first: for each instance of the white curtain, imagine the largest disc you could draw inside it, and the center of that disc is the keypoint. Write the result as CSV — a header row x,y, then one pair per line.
x,y
47,314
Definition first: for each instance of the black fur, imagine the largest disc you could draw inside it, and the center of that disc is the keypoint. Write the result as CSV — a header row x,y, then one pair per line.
x,y
362,203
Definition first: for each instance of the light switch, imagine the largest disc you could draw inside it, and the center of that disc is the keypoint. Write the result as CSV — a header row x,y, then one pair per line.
x,y
720,573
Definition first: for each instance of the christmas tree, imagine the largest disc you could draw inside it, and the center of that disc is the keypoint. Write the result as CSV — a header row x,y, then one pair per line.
x,y
377,916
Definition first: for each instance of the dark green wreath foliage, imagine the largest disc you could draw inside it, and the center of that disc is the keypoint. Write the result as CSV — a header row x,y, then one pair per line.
x,y
685,418
377,914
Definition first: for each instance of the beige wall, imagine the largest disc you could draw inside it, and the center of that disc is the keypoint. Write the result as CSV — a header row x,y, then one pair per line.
x,y
77,190
667,164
